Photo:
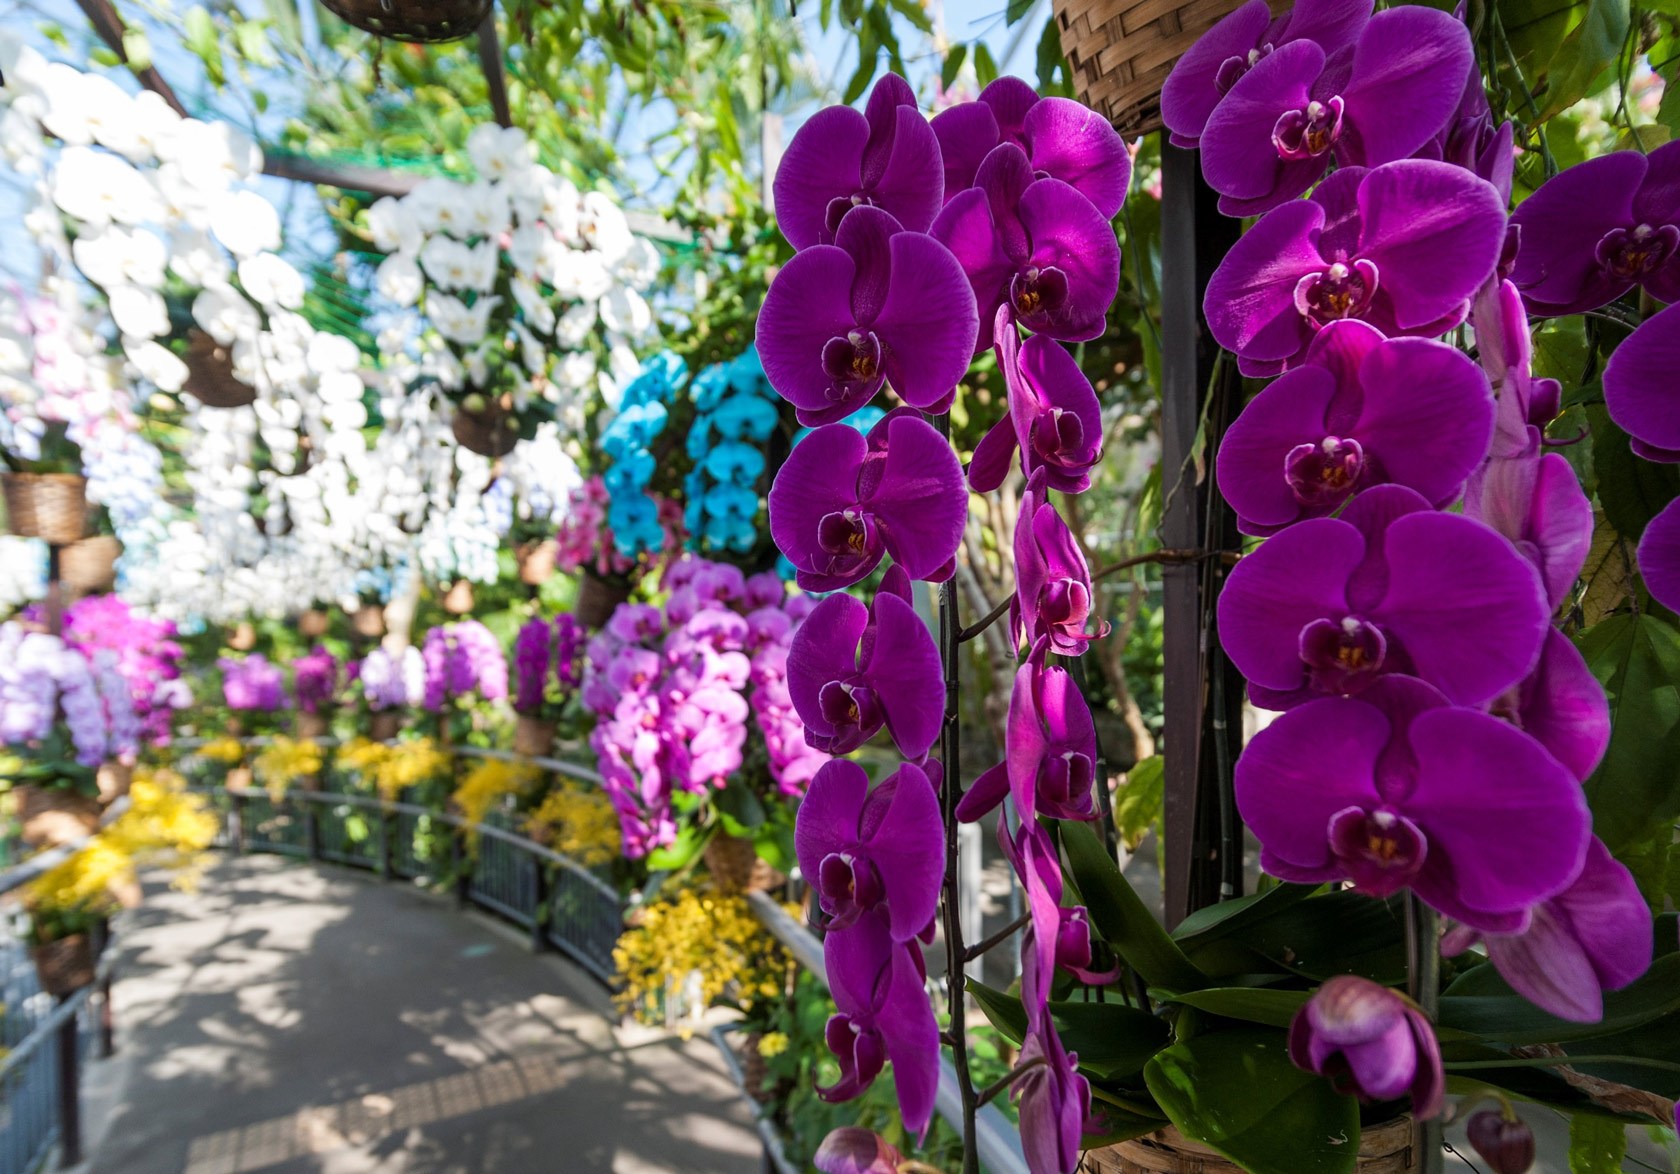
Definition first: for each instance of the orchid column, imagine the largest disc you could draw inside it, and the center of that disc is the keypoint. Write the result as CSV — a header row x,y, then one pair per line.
x,y
920,246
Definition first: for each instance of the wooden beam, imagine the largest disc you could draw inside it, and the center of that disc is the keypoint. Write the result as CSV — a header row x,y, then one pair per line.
x,y
110,28
1202,693
375,181
490,60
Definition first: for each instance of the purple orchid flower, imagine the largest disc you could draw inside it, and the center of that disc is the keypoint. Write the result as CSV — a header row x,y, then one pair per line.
x,y
878,304
886,157
1396,788
1331,605
854,1150
1526,404
1659,556
1053,1102
1273,134
1403,247
1052,579
1036,245
843,500
1562,706
1594,936
1595,230
1062,139
883,1014
1370,1042
879,851
1639,387
1222,55
853,669
1054,417
1471,141
1361,410
1051,751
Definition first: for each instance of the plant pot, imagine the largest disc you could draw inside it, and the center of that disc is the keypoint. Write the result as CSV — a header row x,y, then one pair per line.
x,y
458,600
239,779
114,779
597,599
313,624
64,966
385,725
732,861
310,725
368,621
210,377
1119,55
536,561
420,21
532,736
52,506
491,432
89,566
243,638
1383,1149
51,816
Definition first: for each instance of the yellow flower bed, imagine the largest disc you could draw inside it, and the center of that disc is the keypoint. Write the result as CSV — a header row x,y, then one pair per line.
x,y
393,769
577,821
223,749
163,827
286,760
697,932
489,781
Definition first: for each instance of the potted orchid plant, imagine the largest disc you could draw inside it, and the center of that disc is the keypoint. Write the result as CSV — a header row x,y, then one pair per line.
x,y
388,686
547,662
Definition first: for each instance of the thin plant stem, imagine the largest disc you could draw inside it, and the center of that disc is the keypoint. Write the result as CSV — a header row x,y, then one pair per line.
x,y
990,1092
1154,556
1559,1061
997,939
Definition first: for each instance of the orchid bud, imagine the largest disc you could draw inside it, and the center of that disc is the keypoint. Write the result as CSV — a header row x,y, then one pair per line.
x,y
1505,1143
851,1150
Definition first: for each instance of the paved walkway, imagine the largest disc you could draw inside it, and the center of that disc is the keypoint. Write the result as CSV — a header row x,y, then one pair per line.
x,y
292,1019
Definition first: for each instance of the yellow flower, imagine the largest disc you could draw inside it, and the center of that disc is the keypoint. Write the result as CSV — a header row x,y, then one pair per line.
x,y
224,749
578,822
489,781
286,760
697,943
774,1043
392,769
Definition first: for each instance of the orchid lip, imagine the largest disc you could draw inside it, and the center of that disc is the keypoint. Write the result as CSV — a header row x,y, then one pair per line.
x,y
1340,290
1037,292
1310,132
1632,253
1325,474
1344,656
852,363
1231,70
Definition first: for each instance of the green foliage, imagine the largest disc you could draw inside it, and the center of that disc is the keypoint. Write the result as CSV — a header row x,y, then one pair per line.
x,y
1636,657
1120,916
1596,1145
1138,804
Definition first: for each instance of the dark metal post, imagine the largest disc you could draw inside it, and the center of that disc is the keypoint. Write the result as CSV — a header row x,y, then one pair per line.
x,y
101,943
490,61
311,830
69,1093
459,856
539,906
1423,983
236,817
386,835
1198,395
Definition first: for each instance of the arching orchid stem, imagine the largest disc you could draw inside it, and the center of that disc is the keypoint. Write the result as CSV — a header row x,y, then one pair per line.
x,y
1165,557
997,939
990,1092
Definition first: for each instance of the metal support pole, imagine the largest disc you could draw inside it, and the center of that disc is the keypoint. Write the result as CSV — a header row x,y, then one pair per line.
x,y
55,591
1423,983
458,858
490,61
102,942
69,1093
387,831
539,924
311,830
1199,395
236,820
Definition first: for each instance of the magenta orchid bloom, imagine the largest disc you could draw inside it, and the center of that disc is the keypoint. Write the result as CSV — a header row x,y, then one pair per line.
x,y
879,851
1054,417
1594,936
1035,245
1361,410
886,157
878,304
1659,556
1299,108
1403,247
853,669
1639,385
1051,751
1370,1042
884,1014
1052,598
843,501
1562,706
1330,605
1053,1102
1471,141
853,1150
1396,789
1240,41
1062,139
1595,230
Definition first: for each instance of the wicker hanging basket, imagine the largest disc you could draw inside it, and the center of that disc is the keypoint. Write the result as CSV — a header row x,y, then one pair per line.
x,y
89,566
491,432
51,816
1120,51
313,624
210,377
532,736
597,599
368,621
458,600
385,725
422,21
52,506
536,561
65,965
114,779
1383,1149
730,860
311,726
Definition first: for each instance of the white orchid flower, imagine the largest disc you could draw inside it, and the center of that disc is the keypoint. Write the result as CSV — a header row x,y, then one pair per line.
x,y
399,279
271,281
245,223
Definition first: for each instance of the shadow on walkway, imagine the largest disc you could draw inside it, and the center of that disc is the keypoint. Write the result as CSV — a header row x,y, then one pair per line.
x,y
290,1018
